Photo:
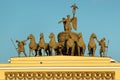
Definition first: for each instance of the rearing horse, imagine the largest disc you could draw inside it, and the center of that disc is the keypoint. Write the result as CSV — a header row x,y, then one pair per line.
x,y
81,45
92,45
33,45
42,45
53,45
70,45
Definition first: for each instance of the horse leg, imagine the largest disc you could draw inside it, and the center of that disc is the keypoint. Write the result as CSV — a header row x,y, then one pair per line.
x,y
84,48
67,50
60,50
93,51
32,52
89,50
25,53
78,51
45,51
55,52
100,54
72,52
39,52
50,51
35,52
81,51
18,53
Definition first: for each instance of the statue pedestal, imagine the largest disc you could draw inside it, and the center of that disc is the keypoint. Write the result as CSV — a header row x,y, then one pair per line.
x,y
60,67
61,60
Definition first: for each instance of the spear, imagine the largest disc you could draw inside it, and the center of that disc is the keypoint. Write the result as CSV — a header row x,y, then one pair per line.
x,y
14,44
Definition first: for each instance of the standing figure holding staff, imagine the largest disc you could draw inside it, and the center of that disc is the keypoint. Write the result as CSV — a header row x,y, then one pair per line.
x,y
21,47
103,47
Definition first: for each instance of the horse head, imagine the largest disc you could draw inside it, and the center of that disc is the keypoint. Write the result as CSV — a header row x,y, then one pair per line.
x,y
93,35
51,35
41,35
30,37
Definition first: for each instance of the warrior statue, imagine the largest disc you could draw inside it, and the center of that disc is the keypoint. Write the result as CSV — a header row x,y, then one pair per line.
x,y
67,23
21,47
102,47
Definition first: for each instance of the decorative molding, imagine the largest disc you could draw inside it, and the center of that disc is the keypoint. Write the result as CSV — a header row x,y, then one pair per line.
x,y
67,75
59,68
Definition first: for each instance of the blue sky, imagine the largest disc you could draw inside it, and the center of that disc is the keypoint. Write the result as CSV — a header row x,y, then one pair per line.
x,y
19,18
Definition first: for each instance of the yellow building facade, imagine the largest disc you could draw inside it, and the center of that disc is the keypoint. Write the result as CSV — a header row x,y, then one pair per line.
x,y
60,68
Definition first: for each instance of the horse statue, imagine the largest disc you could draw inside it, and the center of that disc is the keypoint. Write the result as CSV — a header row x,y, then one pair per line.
x,y
53,45
92,45
42,45
70,45
81,45
21,47
33,45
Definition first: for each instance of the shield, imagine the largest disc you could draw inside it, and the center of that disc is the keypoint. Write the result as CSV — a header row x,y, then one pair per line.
x,y
74,23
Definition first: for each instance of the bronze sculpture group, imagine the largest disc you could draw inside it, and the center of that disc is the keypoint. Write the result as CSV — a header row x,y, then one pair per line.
x,y
69,43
